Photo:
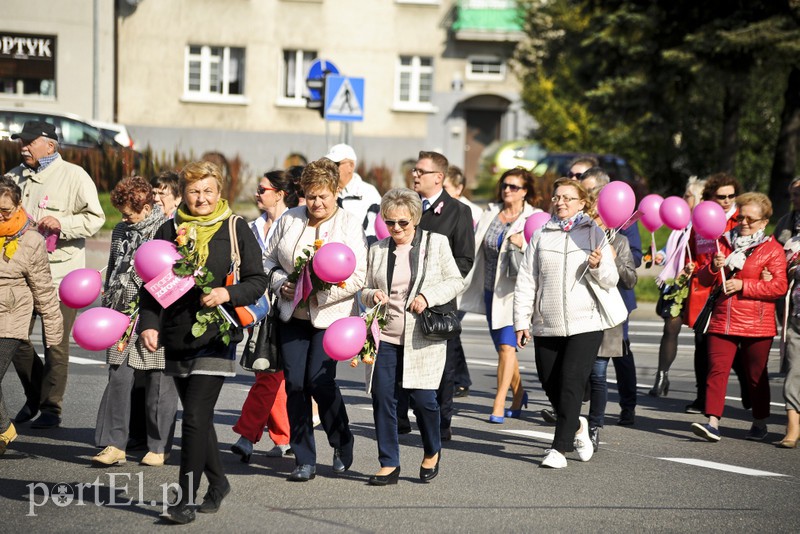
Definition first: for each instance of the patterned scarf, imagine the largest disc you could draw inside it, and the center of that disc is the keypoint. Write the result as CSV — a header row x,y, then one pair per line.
x,y
122,274
10,231
202,228
567,224
741,244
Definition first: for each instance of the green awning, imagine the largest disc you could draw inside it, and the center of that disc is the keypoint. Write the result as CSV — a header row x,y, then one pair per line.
x,y
491,18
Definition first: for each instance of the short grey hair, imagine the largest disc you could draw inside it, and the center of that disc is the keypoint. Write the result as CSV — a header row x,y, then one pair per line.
x,y
399,198
600,177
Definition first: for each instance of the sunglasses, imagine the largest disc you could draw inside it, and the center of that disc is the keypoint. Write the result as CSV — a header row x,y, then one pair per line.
x,y
261,190
726,197
514,188
750,220
575,175
392,224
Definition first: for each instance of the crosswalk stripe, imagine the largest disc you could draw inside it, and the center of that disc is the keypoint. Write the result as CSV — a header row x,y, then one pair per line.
x,y
724,467
85,361
546,436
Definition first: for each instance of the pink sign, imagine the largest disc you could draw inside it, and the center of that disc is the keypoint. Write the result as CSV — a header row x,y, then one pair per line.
x,y
167,287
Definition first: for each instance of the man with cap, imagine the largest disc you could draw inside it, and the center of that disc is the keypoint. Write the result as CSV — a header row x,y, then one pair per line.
x,y
62,200
355,195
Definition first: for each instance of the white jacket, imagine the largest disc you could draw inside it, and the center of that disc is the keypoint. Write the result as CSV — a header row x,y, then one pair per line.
x,y
547,298
503,297
325,306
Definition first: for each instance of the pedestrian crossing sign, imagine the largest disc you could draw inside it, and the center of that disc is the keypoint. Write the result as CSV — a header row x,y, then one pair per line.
x,y
344,98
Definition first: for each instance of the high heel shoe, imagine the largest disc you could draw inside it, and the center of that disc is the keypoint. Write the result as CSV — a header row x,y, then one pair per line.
x,y
516,414
786,444
385,480
496,419
661,387
425,474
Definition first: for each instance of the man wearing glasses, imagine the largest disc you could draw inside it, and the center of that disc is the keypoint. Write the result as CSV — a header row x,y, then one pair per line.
x,y
580,165
355,195
62,198
444,215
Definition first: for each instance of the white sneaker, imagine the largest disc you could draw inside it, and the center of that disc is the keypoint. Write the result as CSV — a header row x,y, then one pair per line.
x,y
554,460
280,451
583,443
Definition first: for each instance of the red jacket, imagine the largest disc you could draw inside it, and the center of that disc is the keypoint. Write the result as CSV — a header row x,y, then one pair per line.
x,y
751,311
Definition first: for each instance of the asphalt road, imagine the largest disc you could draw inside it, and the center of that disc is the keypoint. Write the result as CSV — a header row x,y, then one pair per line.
x,y
653,476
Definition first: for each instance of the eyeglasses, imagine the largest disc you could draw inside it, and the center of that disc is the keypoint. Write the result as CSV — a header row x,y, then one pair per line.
x,y
421,172
565,198
576,175
392,224
261,190
726,197
750,220
514,188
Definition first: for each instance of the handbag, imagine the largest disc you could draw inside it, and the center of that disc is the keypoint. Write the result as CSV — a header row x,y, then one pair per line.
x,y
704,317
514,254
612,308
438,323
249,314
261,350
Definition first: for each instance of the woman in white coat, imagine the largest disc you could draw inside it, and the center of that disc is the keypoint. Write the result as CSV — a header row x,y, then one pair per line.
x,y
408,271
499,246
554,301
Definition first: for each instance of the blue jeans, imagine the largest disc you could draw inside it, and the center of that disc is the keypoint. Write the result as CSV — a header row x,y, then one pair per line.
x,y
387,380
599,392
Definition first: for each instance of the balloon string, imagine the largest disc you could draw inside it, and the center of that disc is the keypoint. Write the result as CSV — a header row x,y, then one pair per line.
x,y
103,269
722,270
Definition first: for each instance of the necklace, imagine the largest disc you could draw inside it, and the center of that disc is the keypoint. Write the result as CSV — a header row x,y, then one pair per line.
x,y
509,217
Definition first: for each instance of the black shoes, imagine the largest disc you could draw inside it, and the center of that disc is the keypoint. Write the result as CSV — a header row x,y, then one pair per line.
x,y
425,474
661,387
385,480
695,407
26,413
213,498
461,392
549,416
181,514
627,417
46,420
594,437
302,473
342,458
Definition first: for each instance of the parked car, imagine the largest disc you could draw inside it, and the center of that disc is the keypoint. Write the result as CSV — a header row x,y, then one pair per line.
x,y
117,132
558,163
80,142
500,156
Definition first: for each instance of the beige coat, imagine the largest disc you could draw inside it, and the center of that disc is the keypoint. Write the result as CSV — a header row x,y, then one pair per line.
x,y
66,192
325,306
503,296
423,359
25,285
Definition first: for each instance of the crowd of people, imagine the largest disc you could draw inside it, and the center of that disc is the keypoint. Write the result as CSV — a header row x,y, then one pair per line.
x,y
567,290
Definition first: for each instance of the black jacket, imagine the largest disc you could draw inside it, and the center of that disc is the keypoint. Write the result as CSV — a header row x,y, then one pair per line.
x,y
454,221
175,323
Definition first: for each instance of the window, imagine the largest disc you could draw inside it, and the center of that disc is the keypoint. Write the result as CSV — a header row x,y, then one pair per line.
x,y
214,74
28,66
486,68
294,70
414,83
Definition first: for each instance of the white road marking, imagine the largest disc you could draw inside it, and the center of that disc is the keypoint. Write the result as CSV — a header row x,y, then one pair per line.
x,y
487,363
545,436
724,467
85,361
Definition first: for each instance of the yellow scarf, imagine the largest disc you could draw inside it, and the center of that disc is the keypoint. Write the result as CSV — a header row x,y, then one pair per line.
x,y
10,231
201,229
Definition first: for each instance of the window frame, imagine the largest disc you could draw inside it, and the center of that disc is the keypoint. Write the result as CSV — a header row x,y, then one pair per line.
x,y
416,70
299,100
206,59
470,75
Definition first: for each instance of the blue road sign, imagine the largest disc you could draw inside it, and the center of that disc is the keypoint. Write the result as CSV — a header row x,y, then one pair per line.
x,y
344,98
316,73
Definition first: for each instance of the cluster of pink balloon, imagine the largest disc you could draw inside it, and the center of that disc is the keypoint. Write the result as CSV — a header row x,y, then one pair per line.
x,y
708,218
98,328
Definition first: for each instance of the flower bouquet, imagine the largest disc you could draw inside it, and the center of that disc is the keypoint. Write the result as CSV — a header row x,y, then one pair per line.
x,y
310,278
376,319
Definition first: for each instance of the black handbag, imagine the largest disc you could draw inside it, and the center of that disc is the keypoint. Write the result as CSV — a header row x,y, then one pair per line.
x,y
262,351
438,323
701,323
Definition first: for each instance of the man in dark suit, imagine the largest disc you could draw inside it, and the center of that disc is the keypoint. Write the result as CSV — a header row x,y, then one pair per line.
x,y
444,215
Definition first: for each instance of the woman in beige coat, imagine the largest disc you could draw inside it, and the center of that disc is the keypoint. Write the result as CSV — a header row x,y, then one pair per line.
x,y
408,271
25,285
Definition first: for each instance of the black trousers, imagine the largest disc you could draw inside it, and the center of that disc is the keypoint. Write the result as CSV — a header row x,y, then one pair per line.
x,y
199,447
564,365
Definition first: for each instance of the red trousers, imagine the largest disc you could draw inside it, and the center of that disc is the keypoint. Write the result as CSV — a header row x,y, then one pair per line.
x,y
755,353
265,405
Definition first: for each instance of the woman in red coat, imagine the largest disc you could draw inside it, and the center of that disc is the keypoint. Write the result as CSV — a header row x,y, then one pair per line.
x,y
744,314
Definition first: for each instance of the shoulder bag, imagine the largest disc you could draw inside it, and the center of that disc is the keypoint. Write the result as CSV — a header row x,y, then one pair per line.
x,y
515,255
261,351
609,301
438,323
249,314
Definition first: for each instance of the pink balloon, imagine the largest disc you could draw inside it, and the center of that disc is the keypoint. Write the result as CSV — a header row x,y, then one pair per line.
x,y
649,207
99,328
675,213
381,231
708,219
345,338
154,257
80,288
616,204
334,262
534,222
